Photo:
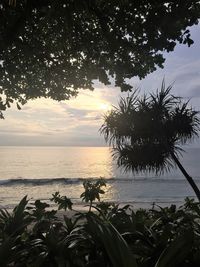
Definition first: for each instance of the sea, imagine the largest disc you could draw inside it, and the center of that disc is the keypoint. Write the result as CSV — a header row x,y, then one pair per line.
x,y
38,172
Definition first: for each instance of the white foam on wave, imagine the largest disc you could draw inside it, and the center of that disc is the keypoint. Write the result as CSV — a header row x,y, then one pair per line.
x,y
63,180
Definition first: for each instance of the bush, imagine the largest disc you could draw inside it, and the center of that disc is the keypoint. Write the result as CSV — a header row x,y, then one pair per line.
x,y
34,236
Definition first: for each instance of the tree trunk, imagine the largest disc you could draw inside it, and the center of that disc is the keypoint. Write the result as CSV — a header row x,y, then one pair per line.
x,y
189,178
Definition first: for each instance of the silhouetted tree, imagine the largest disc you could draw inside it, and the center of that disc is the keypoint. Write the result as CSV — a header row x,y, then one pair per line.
x,y
54,48
146,132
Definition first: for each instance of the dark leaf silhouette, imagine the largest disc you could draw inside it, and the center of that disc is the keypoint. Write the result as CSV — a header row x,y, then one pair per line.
x,y
146,132
54,48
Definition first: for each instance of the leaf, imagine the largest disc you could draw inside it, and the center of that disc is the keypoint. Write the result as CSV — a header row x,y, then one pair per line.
x,y
176,252
7,251
18,106
62,201
116,247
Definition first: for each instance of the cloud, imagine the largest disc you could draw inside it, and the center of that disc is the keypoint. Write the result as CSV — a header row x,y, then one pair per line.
x,y
195,91
45,121
77,121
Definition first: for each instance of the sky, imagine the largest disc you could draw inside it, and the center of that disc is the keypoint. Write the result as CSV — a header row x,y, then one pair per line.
x,y
76,122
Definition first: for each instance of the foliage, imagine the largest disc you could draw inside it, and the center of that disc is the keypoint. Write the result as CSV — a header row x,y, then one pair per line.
x,y
62,201
114,244
93,190
31,236
146,131
54,48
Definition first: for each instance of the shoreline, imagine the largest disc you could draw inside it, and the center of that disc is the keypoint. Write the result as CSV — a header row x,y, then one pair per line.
x,y
83,207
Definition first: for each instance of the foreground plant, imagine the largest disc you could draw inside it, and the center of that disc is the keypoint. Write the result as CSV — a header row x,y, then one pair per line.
x,y
146,132
93,190
32,235
62,201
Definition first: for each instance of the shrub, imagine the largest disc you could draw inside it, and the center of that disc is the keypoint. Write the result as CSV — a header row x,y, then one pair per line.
x,y
110,236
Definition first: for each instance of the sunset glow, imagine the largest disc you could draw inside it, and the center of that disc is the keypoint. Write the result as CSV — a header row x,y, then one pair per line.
x,y
77,121
105,107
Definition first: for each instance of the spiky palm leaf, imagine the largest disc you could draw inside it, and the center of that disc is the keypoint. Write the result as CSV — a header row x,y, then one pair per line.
x,y
146,132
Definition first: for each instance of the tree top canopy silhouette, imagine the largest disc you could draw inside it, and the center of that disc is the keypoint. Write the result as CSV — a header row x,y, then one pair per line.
x,y
54,48
146,132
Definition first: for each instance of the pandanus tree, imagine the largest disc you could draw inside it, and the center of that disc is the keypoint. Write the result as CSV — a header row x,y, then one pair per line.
x,y
146,132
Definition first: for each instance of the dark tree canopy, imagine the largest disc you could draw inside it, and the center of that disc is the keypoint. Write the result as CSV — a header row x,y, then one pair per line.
x,y
146,132
54,48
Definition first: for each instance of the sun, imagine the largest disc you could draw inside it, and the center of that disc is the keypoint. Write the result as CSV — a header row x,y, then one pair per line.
x,y
105,106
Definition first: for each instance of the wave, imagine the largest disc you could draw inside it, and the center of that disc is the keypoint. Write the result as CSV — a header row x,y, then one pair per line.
x,y
68,181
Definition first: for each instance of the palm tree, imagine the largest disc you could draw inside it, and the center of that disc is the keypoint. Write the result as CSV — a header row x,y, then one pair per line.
x,y
146,132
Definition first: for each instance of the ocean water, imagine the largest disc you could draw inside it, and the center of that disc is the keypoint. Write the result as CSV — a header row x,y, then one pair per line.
x,y
40,171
